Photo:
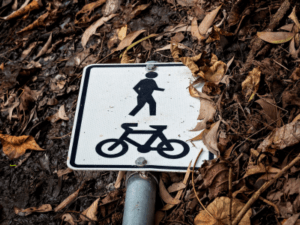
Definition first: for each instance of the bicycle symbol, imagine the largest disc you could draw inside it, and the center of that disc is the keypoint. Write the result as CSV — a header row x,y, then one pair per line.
x,y
163,148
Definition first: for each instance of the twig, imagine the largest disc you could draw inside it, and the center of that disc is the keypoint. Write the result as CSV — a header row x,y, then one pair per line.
x,y
194,185
281,65
270,203
230,194
266,185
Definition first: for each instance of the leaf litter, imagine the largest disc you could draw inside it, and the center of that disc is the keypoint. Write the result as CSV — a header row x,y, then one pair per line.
x,y
249,114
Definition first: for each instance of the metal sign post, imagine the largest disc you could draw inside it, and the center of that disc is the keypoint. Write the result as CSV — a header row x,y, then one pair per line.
x,y
136,117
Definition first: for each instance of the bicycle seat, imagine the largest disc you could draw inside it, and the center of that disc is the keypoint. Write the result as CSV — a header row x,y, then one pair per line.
x,y
128,125
158,127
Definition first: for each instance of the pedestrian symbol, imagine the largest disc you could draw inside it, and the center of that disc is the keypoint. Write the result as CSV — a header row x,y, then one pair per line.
x,y
145,88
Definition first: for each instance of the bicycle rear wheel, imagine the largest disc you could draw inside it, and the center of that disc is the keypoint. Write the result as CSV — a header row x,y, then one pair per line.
x,y
164,153
99,148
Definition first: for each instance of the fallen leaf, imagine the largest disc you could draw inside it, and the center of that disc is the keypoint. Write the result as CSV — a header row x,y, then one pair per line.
x,y
195,30
219,209
208,21
215,177
137,10
179,193
281,138
68,218
211,139
159,215
35,4
126,58
91,212
292,50
60,173
207,113
28,97
121,176
60,115
168,47
290,97
270,110
164,194
176,187
27,51
287,27
260,168
191,63
275,37
177,38
37,23
92,29
14,147
111,6
82,16
46,46
251,83
122,32
129,39
68,200
28,211
296,74
214,73
292,220
11,108
293,17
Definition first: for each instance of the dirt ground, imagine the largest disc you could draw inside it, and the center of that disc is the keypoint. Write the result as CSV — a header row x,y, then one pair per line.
x,y
40,74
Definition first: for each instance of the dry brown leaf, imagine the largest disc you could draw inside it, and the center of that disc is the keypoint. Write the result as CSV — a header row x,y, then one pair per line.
x,y
60,173
260,168
91,212
270,110
177,38
68,200
168,47
190,62
28,211
92,29
195,30
28,97
68,218
280,138
111,6
219,209
122,32
14,147
164,194
214,73
129,39
275,37
293,17
46,46
179,193
211,139
251,83
37,23
137,10
292,50
176,187
60,115
28,50
86,11
121,176
288,27
208,21
126,58
35,4
296,118
11,108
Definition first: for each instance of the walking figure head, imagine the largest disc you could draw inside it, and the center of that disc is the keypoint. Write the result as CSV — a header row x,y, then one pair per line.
x,y
151,75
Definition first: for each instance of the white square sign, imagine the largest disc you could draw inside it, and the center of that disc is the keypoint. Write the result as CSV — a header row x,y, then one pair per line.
x,y
129,118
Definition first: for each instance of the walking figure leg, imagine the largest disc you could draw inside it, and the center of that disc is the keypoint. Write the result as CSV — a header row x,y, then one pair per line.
x,y
152,106
140,104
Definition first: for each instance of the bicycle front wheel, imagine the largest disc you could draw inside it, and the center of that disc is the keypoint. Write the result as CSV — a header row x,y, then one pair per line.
x,y
167,153
114,153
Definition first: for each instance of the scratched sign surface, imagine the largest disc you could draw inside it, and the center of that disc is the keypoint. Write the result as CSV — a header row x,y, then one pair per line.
x,y
131,118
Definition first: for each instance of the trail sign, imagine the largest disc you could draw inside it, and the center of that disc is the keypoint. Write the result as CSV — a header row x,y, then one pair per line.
x,y
135,117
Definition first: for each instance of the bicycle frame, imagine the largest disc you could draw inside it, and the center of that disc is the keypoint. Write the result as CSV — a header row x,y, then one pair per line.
x,y
158,133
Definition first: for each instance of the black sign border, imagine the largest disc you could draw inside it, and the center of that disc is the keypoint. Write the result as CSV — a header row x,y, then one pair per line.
x,y
80,116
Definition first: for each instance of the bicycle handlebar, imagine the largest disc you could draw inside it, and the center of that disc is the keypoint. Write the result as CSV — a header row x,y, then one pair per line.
x,y
127,125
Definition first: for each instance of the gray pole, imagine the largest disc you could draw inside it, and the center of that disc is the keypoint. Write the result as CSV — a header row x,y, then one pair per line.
x,y
139,206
